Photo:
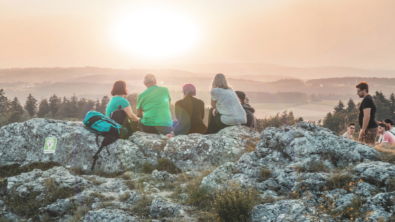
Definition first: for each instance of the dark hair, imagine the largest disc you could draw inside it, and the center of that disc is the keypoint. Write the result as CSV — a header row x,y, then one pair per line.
x,y
119,88
363,85
385,125
389,121
241,95
351,124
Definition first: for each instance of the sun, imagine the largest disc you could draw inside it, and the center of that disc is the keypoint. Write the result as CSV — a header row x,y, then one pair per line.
x,y
155,33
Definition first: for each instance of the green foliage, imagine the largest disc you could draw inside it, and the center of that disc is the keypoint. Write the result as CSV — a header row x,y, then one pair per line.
x,y
31,105
339,107
54,104
3,102
234,204
277,121
43,108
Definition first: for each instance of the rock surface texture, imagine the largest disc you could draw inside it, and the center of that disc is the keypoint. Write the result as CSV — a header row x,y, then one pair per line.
x,y
297,170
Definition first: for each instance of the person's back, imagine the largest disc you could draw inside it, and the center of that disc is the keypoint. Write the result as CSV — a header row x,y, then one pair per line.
x,y
388,137
190,114
155,103
228,105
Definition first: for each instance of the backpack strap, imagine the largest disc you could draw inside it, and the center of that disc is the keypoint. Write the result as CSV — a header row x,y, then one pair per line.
x,y
106,141
391,132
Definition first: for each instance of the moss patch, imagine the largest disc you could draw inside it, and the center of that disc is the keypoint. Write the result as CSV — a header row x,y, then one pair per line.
x,y
28,206
16,169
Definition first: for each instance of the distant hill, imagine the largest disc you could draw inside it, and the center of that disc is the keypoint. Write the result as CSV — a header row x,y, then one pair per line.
x,y
248,70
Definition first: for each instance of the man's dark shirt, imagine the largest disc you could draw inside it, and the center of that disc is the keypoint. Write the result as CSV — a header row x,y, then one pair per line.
x,y
368,102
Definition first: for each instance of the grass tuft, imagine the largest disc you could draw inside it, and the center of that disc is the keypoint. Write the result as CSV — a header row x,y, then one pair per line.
x,y
16,169
147,168
339,181
166,165
28,206
317,166
234,204
130,184
142,207
386,155
264,174
390,185
124,197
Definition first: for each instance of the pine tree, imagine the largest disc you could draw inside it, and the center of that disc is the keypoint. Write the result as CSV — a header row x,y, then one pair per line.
x,y
43,108
392,101
3,103
31,105
383,106
104,102
339,107
97,105
54,104
16,105
350,106
70,107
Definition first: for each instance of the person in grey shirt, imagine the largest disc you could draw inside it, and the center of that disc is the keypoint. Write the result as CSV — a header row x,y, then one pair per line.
x,y
350,131
226,109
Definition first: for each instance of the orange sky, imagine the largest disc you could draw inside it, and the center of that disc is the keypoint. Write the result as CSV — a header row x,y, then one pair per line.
x,y
355,33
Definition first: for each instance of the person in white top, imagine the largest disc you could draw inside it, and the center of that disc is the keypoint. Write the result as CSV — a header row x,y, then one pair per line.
x,y
350,131
392,130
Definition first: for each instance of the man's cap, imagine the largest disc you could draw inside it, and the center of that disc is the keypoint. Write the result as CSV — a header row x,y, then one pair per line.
x,y
241,95
389,121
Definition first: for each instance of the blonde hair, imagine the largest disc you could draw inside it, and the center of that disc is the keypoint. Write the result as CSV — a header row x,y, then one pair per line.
x,y
220,81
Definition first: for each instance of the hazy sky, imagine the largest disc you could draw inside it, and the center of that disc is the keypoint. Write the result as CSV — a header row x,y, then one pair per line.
x,y
355,33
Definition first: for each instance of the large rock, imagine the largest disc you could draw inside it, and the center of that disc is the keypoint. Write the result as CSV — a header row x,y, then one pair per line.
x,y
23,143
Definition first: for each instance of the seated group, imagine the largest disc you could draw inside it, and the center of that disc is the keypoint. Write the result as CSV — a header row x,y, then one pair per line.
x,y
153,108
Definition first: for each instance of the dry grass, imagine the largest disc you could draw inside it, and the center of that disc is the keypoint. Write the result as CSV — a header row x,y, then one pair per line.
x,y
264,174
317,166
130,184
390,185
124,197
386,155
166,165
142,207
339,181
234,203
251,144
28,206
16,169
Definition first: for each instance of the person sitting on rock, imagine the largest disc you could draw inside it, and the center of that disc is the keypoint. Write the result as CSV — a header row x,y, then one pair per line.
x,y
226,109
251,121
153,106
387,137
119,91
350,131
189,113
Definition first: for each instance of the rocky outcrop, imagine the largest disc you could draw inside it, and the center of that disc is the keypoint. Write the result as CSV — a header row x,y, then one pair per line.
x,y
294,169
23,143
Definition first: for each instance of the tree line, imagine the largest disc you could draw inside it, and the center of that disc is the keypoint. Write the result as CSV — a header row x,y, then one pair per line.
x,y
342,115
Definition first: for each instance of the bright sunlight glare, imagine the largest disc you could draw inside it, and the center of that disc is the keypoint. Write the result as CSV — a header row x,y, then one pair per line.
x,y
155,32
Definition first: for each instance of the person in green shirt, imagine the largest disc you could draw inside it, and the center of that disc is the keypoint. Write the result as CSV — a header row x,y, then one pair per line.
x,y
119,91
153,106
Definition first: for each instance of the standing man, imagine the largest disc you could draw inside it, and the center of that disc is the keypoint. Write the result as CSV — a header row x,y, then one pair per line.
x,y
367,115
350,131
154,102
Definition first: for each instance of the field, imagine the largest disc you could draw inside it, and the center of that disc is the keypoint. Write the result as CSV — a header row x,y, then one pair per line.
x,y
309,110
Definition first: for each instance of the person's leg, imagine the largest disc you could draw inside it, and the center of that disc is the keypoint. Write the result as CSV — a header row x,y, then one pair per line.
x,y
214,124
371,135
147,129
163,129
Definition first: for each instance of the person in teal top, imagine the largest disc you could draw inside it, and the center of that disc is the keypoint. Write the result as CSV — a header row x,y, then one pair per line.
x,y
154,102
119,91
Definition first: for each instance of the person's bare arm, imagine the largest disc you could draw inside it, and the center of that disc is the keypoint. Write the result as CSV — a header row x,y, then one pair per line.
x,y
139,113
130,113
366,118
213,103
365,121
